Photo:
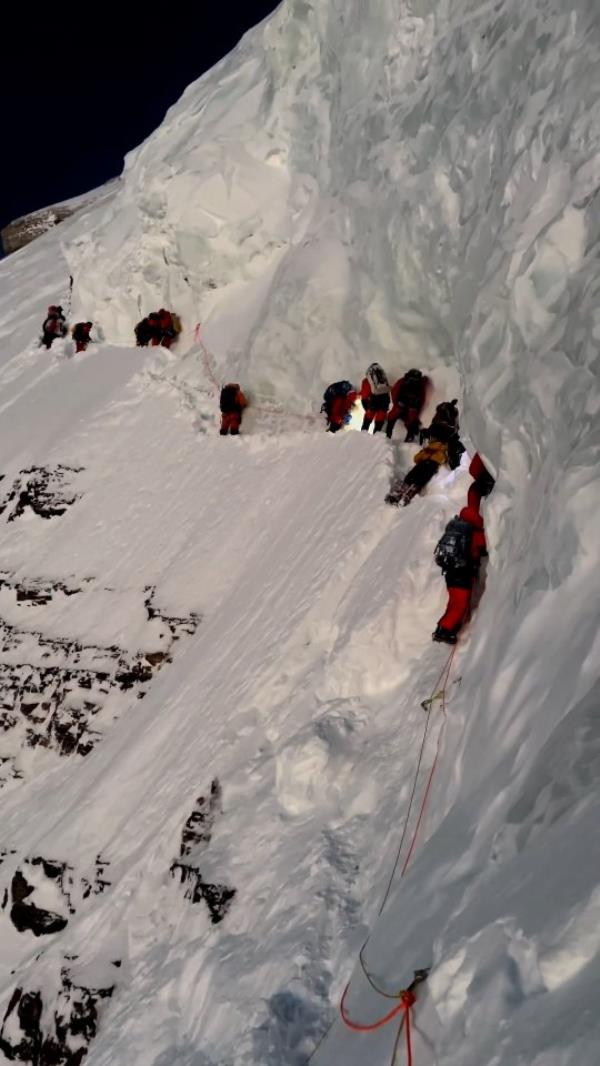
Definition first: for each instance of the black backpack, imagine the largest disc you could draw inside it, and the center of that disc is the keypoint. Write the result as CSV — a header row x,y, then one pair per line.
x,y
227,401
338,388
453,549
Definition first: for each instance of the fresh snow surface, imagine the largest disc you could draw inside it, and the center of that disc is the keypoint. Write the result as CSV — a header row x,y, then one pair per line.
x,y
414,183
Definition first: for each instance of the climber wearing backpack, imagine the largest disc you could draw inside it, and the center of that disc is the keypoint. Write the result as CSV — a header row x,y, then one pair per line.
x,y
81,335
232,403
442,445
459,553
54,326
143,333
338,401
169,326
375,397
408,400
154,328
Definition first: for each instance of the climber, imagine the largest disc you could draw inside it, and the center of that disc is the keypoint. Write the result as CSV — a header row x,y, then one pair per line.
x,y
408,400
168,332
459,553
482,483
81,335
338,401
443,446
375,397
232,403
54,326
444,430
155,328
143,333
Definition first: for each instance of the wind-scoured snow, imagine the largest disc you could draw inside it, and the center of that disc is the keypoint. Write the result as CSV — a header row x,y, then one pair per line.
x,y
214,652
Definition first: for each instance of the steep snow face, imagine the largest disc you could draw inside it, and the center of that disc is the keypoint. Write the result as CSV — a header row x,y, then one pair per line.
x,y
416,184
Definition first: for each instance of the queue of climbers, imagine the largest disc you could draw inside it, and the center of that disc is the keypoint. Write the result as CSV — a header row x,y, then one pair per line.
x,y
383,404
462,547
158,328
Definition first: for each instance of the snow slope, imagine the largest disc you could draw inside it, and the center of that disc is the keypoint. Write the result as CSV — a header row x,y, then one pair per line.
x,y
232,638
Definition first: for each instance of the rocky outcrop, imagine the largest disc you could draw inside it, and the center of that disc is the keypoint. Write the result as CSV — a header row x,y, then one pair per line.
x,y
195,838
54,689
62,1038
29,227
43,894
43,490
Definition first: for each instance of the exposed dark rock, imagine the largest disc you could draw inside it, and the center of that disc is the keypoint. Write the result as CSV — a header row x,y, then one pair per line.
x,y
24,230
99,883
44,490
195,838
52,688
27,916
217,897
73,1026
28,1007
198,828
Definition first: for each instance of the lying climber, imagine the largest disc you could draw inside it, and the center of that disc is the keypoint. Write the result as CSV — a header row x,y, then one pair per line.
x,y
375,397
408,400
459,553
81,335
232,403
338,401
443,447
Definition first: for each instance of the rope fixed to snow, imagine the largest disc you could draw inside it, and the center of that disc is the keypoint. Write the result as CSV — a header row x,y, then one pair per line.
x,y
266,409
405,997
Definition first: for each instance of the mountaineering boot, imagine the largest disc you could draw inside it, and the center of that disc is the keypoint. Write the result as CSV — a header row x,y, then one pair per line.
x,y
401,495
444,636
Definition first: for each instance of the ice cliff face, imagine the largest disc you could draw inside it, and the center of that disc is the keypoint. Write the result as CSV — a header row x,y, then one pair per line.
x,y
413,183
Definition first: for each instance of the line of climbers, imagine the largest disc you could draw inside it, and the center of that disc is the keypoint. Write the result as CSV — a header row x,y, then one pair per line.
x,y
159,327
54,327
383,404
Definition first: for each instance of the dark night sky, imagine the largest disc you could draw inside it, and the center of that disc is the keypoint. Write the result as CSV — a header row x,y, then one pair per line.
x,y
80,87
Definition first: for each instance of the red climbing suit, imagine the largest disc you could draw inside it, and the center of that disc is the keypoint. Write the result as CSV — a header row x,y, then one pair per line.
x,y
460,582
81,335
339,407
231,417
375,405
408,400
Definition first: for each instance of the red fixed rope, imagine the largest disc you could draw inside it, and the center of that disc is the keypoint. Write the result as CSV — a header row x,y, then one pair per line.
x,y
357,1027
408,1003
